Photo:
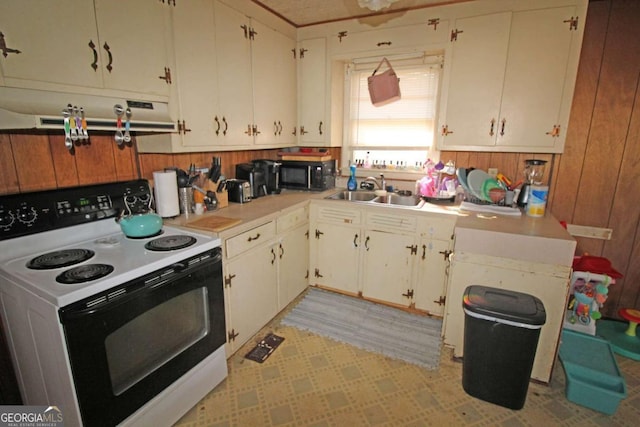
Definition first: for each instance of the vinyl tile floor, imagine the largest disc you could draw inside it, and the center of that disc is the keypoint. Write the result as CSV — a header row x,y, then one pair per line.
x,y
314,381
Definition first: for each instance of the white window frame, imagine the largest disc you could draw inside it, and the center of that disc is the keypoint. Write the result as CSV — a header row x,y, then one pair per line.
x,y
435,59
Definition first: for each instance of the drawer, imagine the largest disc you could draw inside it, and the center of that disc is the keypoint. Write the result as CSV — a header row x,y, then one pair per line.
x,y
338,215
291,220
440,228
391,222
250,239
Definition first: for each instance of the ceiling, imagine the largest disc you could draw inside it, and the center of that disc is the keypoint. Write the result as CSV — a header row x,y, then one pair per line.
x,y
301,13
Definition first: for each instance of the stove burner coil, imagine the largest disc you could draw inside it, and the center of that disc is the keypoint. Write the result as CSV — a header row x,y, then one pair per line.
x,y
170,243
61,258
84,273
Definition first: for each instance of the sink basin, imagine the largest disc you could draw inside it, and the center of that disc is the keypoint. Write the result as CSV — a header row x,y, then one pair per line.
x,y
354,196
391,199
396,199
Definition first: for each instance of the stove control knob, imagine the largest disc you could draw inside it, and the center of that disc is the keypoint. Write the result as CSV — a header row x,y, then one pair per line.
x,y
6,220
27,215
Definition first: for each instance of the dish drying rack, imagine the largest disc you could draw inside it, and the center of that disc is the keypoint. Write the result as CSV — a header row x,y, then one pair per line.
x,y
471,198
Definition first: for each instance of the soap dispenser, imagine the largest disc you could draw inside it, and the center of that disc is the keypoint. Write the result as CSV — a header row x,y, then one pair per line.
x,y
352,184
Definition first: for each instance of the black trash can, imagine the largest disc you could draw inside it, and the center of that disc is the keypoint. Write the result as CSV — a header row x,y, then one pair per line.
x,y
501,330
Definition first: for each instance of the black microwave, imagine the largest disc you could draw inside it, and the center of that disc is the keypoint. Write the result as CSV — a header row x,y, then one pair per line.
x,y
303,175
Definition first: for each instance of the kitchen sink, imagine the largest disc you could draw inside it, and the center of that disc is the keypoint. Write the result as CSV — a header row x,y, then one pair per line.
x,y
353,196
391,199
396,199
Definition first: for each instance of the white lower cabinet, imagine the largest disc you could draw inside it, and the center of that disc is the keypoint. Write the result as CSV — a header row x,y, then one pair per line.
x,y
250,282
264,269
293,255
381,254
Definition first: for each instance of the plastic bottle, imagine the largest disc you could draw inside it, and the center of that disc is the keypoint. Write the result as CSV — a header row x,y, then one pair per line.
x,y
352,184
366,161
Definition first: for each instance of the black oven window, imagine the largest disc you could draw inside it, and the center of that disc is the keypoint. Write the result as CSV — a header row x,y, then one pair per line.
x,y
150,340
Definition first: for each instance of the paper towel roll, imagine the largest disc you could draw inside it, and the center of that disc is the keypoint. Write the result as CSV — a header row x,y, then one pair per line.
x,y
166,192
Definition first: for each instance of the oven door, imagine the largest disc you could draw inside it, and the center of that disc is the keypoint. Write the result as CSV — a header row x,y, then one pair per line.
x,y
128,344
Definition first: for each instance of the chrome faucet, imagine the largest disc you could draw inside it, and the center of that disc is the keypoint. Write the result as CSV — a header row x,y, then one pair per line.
x,y
381,185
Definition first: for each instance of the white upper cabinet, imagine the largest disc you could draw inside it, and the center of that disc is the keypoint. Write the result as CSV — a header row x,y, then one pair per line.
x,y
511,81
313,91
409,37
77,44
274,86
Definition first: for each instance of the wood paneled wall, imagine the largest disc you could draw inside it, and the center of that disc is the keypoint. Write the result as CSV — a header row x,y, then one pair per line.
x,y
595,182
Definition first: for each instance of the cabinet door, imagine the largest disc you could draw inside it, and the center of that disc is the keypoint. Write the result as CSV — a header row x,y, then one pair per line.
x,y
387,267
293,267
337,256
430,289
252,292
479,55
133,41
274,85
195,73
535,78
234,74
312,68
53,40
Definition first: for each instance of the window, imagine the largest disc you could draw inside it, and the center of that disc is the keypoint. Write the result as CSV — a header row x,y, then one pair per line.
x,y
399,135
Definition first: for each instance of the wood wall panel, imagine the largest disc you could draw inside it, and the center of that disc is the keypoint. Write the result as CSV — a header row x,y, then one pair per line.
x,y
34,162
571,162
64,162
8,176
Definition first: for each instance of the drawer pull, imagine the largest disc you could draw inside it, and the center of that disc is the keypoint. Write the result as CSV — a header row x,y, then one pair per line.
x,y
251,239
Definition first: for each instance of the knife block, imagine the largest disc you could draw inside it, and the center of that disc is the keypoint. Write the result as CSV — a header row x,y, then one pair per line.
x,y
223,197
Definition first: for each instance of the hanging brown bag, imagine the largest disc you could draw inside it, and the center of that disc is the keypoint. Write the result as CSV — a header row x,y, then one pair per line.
x,y
384,88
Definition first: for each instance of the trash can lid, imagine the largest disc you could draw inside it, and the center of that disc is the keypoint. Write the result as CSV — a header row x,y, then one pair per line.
x,y
502,304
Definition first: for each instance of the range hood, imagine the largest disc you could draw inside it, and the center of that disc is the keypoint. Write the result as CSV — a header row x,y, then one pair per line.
x,y
39,109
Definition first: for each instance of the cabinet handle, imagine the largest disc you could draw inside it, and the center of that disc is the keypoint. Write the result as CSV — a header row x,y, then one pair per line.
x,y
251,239
215,119
366,243
108,49
6,50
167,76
424,251
320,128
493,123
555,132
503,123
94,64
355,241
384,44
279,128
275,128
226,125
281,251
273,254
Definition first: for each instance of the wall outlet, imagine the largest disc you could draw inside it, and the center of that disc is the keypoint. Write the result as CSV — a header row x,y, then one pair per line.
x,y
493,172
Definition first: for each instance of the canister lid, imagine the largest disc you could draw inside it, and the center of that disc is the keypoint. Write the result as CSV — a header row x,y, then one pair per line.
x,y
502,304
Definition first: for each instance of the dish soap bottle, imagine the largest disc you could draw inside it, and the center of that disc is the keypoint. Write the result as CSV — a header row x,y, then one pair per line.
x,y
352,184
